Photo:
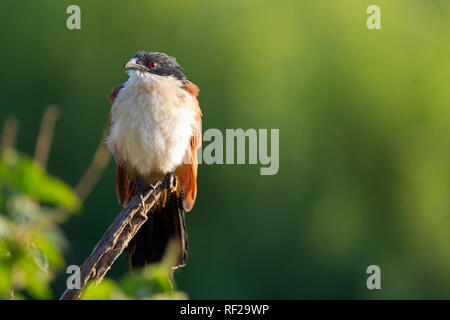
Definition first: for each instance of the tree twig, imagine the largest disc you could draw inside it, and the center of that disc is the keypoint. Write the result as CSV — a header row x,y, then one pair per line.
x,y
9,134
117,237
90,177
45,136
94,171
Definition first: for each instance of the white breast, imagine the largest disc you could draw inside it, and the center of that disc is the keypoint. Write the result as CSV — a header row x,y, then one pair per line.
x,y
152,118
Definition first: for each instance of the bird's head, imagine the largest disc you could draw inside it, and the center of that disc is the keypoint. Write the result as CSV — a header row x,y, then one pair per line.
x,y
156,63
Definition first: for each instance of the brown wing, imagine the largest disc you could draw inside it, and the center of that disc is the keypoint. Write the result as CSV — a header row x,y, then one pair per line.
x,y
112,96
125,185
187,172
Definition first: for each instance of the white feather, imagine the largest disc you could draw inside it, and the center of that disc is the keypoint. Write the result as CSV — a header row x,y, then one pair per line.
x,y
152,118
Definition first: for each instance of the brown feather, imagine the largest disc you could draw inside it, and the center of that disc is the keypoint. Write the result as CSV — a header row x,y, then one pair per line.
x,y
112,96
187,172
125,185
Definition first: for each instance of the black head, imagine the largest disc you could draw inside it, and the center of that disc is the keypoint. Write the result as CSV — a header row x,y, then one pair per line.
x,y
156,63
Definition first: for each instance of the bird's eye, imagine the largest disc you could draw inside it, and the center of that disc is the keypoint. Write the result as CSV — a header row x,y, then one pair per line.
x,y
152,65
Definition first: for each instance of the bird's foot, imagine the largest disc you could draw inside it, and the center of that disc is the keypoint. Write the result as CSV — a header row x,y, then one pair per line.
x,y
169,185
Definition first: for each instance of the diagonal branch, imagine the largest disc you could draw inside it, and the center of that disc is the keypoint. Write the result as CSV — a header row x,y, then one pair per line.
x,y
117,236
9,134
45,136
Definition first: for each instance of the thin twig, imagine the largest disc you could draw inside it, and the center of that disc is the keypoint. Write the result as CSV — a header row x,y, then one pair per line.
x,y
94,172
117,237
89,179
45,137
9,134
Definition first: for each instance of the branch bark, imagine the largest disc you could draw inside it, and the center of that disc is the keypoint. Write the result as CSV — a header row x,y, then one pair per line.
x,y
117,237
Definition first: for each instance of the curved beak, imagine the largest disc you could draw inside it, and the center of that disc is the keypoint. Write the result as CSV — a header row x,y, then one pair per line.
x,y
131,64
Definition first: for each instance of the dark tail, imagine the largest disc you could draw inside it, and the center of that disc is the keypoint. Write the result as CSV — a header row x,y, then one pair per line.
x,y
163,226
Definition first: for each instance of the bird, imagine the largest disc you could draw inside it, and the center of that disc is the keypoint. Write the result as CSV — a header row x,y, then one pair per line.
x,y
155,130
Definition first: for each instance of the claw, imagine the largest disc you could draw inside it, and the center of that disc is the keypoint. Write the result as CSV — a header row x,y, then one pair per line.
x,y
170,182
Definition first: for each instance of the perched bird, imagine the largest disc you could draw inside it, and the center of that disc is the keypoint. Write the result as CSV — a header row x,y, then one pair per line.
x,y
155,129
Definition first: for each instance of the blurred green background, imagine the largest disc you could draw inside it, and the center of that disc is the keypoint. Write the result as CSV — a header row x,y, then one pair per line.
x,y
364,134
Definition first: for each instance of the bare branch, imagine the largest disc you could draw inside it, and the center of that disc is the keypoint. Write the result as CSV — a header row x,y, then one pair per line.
x,y
94,172
45,137
117,237
9,134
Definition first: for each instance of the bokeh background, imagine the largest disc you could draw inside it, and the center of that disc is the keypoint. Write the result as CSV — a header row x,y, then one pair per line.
x,y
364,134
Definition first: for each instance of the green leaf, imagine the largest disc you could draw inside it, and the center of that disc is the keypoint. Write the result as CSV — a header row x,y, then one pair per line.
x,y
177,295
5,280
38,289
105,290
48,250
20,172
5,227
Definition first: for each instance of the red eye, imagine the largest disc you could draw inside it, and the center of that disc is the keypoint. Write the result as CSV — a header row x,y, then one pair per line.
x,y
152,65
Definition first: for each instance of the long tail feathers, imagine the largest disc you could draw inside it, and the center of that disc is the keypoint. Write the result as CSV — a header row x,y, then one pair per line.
x,y
165,225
